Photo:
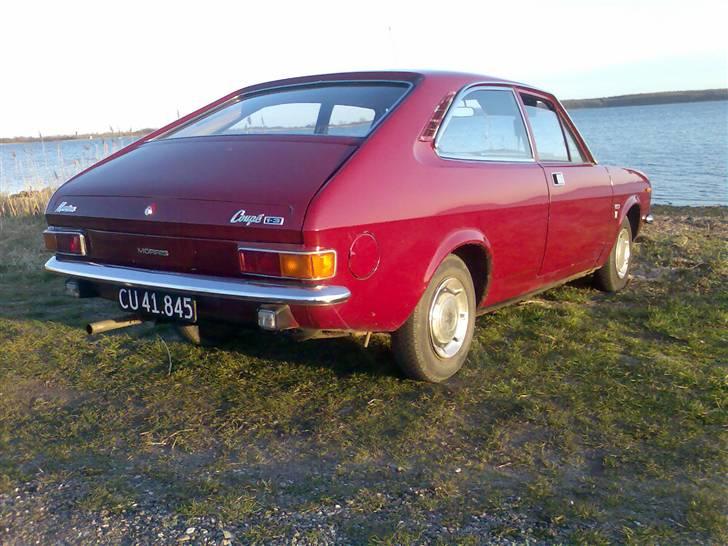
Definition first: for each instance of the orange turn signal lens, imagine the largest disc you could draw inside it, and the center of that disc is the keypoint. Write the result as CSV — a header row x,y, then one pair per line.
x,y
316,265
49,238
308,266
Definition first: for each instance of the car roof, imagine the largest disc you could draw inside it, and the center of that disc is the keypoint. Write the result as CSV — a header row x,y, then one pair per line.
x,y
458,79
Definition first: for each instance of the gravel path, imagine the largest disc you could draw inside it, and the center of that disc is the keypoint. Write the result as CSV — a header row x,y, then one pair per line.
x,y
41,514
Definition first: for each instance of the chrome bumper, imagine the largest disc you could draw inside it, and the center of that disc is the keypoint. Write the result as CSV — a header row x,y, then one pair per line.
x,y
201,285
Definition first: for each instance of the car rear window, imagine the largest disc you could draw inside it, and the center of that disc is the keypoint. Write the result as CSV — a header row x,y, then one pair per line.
x,y
336,109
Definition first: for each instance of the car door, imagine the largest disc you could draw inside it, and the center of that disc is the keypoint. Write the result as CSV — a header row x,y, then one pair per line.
x,y
500,187
580,192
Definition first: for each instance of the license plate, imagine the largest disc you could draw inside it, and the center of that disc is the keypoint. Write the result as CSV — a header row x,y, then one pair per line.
x,y
149,302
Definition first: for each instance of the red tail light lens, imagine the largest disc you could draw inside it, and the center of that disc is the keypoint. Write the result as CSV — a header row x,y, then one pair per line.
x,y
260,263
65,242
316,265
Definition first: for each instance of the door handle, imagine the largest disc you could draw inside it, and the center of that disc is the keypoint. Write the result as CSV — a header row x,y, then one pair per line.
x,y
558,179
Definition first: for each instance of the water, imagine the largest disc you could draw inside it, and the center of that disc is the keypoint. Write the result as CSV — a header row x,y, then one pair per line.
x,y
35,165
683,148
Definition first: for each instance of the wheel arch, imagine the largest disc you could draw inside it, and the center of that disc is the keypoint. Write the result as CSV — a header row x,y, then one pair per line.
x,y
471,246
633,214
632,210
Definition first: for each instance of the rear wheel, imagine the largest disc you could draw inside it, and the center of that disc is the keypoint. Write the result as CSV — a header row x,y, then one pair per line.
x,y
434,342
614,274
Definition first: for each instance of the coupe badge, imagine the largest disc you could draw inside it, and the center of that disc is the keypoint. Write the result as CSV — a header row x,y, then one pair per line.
x,y
241,217
66,207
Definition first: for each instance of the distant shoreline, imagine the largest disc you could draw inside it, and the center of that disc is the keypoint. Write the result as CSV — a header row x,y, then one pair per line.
x,y
76,136
639,99
646,99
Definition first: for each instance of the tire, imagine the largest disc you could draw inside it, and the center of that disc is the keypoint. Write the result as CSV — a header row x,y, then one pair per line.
x,y
420,346
614,274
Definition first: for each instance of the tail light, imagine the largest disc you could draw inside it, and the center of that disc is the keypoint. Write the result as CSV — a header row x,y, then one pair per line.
x,y
428,135
314,265
65,242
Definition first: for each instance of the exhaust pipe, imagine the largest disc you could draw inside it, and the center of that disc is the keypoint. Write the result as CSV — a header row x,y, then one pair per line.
x,y
112,324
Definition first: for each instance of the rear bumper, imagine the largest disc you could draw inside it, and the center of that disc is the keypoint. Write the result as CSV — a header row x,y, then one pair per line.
x,y
201,285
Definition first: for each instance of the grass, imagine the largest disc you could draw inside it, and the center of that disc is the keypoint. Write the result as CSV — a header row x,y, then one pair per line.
x,y
585,417
24,203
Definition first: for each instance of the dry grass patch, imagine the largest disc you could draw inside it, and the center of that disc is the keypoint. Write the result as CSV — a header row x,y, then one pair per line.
x,y
25,203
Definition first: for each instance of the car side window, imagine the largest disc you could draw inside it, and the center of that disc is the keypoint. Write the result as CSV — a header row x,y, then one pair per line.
x,y
575,155
546,129
485,124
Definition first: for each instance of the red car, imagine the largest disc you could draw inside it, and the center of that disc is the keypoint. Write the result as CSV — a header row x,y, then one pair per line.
x,y
401,202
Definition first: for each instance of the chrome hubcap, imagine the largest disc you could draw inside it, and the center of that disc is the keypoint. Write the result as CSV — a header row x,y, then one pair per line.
x,y
449,318
623,253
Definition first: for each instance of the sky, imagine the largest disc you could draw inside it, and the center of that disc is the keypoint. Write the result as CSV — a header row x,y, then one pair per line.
x,y
77,66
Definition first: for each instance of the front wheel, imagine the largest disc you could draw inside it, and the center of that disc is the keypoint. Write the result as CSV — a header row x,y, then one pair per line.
x,y
614,274
434,342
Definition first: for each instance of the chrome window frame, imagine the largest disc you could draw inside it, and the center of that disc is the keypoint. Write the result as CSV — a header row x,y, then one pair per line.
x,y
565,114
560,122
565,121
493,159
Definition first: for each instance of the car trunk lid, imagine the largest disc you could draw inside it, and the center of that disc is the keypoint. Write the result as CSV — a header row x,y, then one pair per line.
x,y
242,188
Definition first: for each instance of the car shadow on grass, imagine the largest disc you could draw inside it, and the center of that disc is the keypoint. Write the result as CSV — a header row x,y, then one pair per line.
x,y
344,356
40,297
